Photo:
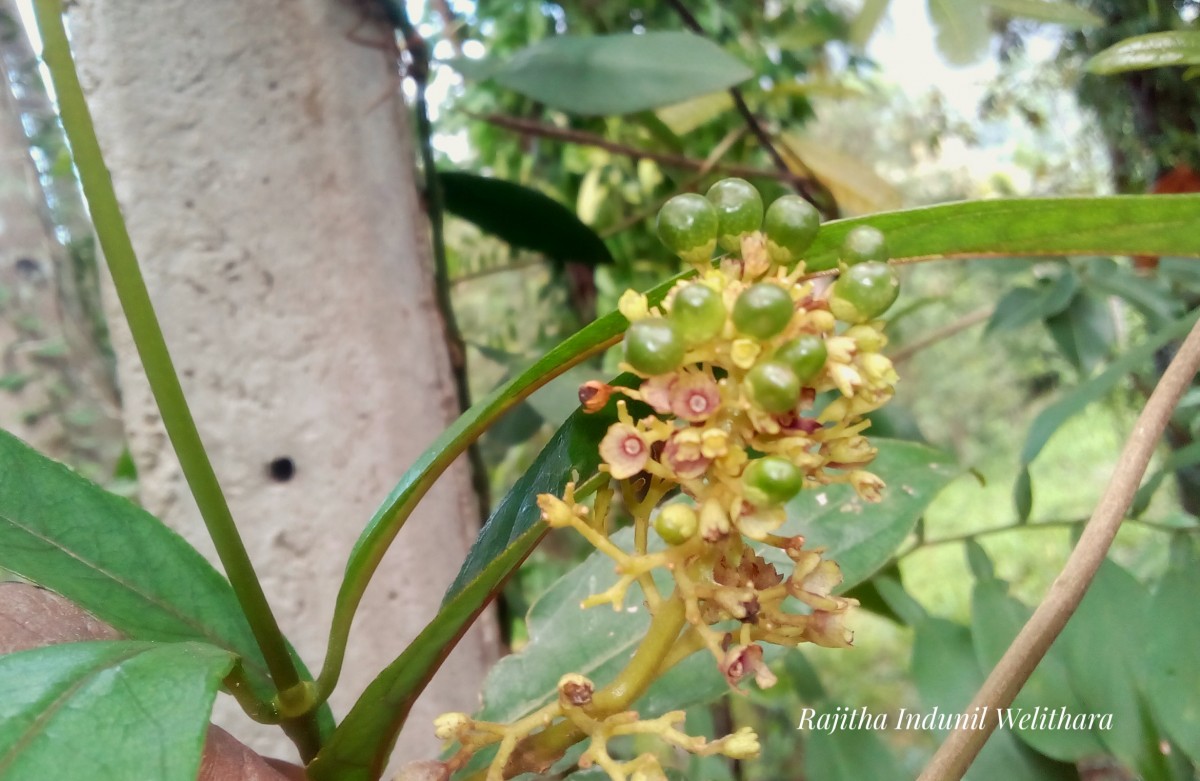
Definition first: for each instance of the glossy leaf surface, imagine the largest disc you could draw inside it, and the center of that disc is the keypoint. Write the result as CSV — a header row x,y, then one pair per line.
x,y
522,216
1153,50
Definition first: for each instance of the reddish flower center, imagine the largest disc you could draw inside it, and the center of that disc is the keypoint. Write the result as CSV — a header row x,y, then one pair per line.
x,y
633,446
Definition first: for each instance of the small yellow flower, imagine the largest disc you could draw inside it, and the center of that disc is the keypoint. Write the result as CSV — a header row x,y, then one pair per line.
x,y
742,744
744,353
633,306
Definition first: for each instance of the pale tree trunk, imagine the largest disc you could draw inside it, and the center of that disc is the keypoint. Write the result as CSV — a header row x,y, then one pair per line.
x,y
56,390
262,158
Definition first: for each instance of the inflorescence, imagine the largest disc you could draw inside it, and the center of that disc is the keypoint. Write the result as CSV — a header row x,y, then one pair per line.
x,y
758,382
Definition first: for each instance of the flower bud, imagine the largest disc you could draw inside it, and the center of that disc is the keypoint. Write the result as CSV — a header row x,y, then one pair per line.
x,y
575,690
677,523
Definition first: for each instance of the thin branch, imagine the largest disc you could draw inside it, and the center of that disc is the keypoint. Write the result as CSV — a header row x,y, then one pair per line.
x,y
529,127
1031,644
739,101
945,332
714,157
1061,523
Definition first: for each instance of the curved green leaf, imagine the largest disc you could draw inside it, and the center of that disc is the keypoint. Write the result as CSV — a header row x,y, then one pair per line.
x,y
1024,305
1117,225
108,711
960,30
620,74
863,536
1053,11
1153,50
1171,666
114,559
522,216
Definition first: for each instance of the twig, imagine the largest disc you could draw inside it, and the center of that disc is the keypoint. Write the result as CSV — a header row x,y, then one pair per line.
x,y
739,101
1010,674
435,209
1061,523
531,127
945,332
710,162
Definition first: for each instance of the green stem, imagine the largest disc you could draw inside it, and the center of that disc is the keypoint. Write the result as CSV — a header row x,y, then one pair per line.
x,y
152,349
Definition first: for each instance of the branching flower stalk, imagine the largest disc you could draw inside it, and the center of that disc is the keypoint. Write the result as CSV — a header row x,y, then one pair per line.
x,y
754,386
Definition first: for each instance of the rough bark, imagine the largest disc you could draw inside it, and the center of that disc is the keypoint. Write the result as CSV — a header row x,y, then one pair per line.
x,y
262,159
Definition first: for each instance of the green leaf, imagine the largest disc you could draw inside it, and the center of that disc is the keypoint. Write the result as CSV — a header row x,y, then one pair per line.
x,y
1154,50
1053,11
867,20
359,747
522,216
114,559
860,535
891,590
1052,417
846,754
1104,643
960,29
1083,331
1170,665
620,74
947,677
996,618
1023,494
979,561
108,711
1024,305
1113,225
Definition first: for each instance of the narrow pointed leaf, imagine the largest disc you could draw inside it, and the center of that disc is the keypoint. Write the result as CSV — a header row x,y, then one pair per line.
x,y
1052,417
1153,50
522,216
620,74
114,559
108,711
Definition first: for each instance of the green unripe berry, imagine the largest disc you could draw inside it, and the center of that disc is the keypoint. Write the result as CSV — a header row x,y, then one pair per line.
x,y
805,354
791,226
775,386
864,292
698,313
653,346
771,480
676,524
863,244
687,224
762,310
739,211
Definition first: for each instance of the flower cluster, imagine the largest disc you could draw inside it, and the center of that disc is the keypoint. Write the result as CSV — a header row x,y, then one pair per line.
x,y
757,381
